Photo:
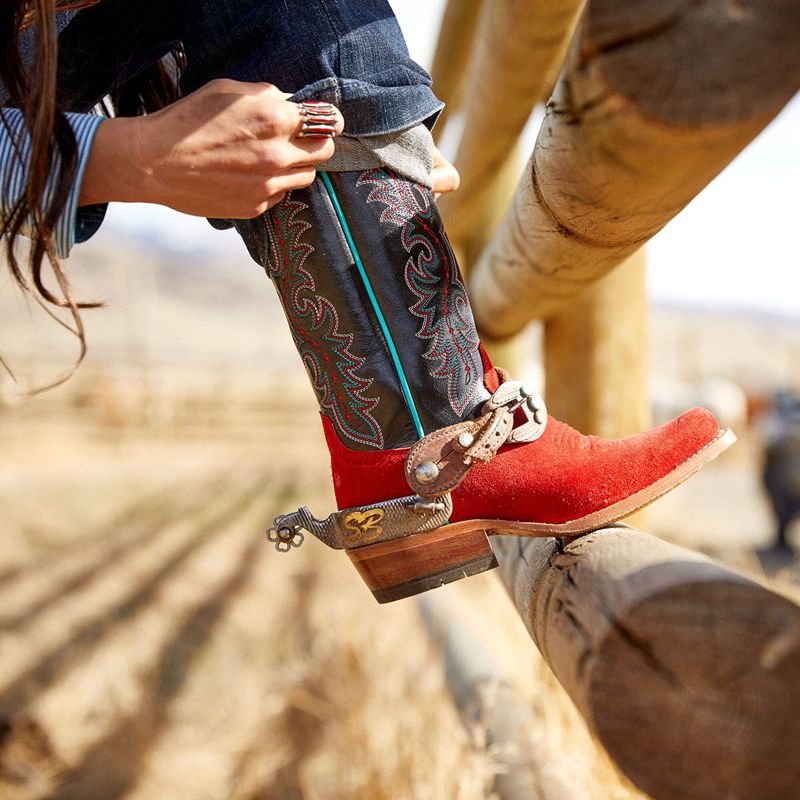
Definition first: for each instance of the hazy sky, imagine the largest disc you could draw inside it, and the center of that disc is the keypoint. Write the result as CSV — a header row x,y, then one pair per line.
x,y
735,245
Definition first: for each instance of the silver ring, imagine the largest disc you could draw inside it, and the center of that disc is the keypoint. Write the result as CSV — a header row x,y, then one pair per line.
x,y
319,120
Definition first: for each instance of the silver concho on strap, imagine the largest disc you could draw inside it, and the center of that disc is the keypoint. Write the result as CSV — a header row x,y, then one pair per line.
x,y
356,527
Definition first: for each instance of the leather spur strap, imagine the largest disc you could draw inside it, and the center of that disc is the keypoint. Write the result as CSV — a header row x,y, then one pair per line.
x,y
439,462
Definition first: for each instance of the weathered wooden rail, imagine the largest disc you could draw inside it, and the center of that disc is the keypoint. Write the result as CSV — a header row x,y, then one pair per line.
x,y
686,671
493,66
654,100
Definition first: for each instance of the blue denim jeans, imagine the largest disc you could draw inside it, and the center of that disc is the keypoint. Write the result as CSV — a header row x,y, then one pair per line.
x,y
350,52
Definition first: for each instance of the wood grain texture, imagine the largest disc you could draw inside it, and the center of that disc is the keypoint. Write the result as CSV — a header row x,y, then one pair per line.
x,y
512,66
686,671
403,567
453,47
654,100
596,355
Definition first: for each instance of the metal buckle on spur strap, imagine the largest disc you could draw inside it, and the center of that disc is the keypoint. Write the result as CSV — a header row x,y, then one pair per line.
x,y
513,395
361,525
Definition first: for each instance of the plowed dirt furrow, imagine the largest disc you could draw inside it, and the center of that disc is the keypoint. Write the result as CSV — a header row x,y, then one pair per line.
x,y
65,636
38,586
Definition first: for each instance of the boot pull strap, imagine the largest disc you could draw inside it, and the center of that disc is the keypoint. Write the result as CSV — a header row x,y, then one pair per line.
x,y
438,463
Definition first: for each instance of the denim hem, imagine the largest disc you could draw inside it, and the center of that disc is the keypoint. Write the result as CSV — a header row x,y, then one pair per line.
x,y
371,110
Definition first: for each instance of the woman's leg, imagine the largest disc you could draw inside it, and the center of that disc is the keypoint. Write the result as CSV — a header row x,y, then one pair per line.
x,y
422,430
379,314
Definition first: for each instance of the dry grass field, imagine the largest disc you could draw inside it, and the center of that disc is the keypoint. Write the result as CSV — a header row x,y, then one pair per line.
x,y
154,646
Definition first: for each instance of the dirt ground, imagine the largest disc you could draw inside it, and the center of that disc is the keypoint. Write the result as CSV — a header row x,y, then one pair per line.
x,y
153,645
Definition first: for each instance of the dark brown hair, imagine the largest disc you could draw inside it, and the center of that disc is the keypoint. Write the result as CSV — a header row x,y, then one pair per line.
x,y
32,89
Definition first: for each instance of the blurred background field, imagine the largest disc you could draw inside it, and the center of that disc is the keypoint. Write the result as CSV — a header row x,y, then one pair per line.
x,y
152,644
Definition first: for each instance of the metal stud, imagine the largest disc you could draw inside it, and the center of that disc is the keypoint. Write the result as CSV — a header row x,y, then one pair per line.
x,y
535,403
426,472
466,440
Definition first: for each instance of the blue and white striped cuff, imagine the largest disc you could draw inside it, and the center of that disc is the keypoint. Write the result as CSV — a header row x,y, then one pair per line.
x,y
15,164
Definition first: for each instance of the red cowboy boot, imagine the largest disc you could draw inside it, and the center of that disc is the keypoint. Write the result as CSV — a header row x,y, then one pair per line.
x,y
431,447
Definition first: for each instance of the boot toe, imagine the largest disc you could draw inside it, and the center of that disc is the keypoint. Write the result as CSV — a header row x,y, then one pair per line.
x,y
565,476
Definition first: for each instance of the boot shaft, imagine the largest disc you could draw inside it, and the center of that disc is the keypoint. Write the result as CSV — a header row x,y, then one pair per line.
x,y
375,304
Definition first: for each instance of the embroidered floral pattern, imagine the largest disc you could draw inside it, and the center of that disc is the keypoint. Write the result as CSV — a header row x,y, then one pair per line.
x,y
314,323
431,274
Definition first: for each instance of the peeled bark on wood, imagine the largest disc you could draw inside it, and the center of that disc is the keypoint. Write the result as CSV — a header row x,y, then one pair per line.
x,y
686,671
655,99
512,66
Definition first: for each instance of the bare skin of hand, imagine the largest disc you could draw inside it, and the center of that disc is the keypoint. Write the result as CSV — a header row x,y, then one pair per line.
x,y
230,150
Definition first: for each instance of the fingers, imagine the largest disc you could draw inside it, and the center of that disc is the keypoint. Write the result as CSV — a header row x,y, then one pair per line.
x,y
276,187
307,127
307,119
300,152
311,138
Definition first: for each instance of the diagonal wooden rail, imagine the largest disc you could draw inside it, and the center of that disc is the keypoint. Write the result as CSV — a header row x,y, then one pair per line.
x,y
654,100
516,48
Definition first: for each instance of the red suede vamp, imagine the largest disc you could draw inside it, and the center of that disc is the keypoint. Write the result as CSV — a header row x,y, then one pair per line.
x,y
561,476
564,476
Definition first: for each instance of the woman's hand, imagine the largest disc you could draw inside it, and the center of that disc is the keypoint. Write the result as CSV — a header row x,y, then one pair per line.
x,y
445,176
230,149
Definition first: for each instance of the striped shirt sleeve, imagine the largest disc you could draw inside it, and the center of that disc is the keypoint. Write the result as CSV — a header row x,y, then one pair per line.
x,y
15,164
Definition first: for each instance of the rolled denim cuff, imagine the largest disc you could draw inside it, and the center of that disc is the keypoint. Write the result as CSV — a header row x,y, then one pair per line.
x,y
408,153
371,110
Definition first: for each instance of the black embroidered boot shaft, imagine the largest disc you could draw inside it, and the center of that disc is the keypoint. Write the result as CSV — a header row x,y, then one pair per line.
x,y
376,305
380,317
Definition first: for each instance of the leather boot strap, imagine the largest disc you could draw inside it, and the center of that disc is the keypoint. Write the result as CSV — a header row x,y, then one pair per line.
x,y
438,463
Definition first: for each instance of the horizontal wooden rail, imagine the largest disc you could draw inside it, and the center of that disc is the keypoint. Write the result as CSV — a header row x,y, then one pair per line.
x,y
686,671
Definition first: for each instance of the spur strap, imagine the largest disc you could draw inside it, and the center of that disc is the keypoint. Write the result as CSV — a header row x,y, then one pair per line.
x,y
434,466
439,462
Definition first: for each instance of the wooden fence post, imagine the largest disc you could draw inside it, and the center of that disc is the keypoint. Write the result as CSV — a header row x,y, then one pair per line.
x,y
654,100
453,47
596,355
686,671
511,66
